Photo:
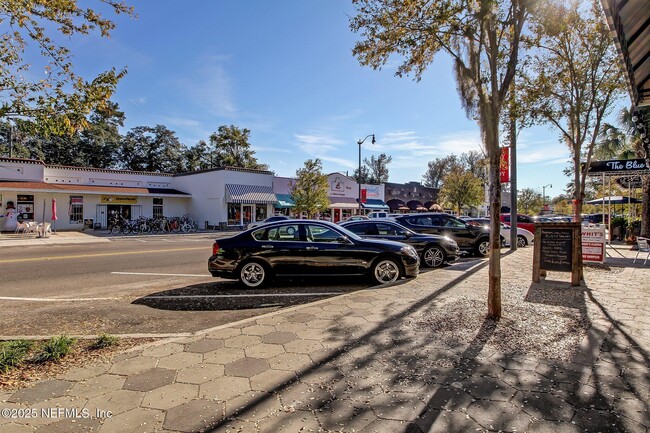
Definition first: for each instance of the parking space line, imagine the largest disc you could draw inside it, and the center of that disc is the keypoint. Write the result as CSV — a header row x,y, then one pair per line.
x,y
161,275
252,295
16,298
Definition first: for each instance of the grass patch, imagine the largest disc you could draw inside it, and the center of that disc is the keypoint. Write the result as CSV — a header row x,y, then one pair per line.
x,y
104,340
13,353
54,349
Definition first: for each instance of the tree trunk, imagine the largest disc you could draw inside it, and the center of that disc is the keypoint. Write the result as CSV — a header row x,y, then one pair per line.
x,y
494,155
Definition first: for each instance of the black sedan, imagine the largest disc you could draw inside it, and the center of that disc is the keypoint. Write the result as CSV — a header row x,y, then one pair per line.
x,y
308,248
434,250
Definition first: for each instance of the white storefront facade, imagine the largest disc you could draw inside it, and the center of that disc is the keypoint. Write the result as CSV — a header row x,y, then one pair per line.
x,y
84,198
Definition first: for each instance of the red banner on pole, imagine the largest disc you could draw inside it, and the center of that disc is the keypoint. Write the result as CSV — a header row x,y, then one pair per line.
x,y
364,195
505,164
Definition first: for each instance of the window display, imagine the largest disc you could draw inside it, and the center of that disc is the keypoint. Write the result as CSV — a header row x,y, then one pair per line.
x,y
25,207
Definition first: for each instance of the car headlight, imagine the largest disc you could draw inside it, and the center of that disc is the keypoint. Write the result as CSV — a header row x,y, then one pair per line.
x,y
410,251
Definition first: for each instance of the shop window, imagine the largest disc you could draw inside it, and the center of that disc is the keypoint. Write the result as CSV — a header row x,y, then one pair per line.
x,y
25,206
234,214
157,207
76,209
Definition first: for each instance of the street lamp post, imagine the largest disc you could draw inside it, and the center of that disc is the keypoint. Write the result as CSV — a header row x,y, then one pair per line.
x,y
544,195
360,142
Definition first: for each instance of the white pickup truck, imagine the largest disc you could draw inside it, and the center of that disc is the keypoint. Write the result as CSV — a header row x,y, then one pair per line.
x,y
381,215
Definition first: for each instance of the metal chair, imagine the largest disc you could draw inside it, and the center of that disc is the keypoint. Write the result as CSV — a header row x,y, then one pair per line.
x,y
643,248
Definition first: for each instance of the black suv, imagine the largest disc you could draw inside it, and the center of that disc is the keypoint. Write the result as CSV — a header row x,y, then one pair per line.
x,y
469,238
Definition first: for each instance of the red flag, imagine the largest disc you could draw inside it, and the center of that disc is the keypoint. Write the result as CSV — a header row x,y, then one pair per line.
x,y
505,164
364,195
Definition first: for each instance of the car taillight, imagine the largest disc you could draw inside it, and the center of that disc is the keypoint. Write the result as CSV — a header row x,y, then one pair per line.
x,y
215,249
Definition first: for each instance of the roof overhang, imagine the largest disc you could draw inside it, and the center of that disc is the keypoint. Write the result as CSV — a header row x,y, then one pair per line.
x,y
629,22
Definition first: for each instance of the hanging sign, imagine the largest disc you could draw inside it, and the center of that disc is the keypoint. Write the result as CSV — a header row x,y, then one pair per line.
x,y
364,195
505,164
118,199
617,166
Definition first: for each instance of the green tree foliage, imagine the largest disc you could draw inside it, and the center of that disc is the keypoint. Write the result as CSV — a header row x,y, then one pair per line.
x,y
482,37
529,201
378,168
461,189
94,146
438,169
199,157
310,190
232,149
365,175
60,101
155,149
375,170
572,78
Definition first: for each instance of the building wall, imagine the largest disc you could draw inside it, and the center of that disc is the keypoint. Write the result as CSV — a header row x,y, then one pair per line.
x,y
89,176
22,171
208,191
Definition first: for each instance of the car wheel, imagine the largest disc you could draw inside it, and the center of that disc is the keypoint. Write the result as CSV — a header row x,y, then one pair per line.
x,y
254,275
385,271
483,247
521,242
433,257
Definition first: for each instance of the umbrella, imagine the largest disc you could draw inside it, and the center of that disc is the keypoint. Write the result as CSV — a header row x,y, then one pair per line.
x,y
614,199
54,209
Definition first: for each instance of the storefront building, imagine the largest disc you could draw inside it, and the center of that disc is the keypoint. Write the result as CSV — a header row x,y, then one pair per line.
x,y
74,198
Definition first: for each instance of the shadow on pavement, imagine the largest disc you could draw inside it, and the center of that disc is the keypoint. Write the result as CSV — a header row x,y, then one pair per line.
x,y
386,379
230,295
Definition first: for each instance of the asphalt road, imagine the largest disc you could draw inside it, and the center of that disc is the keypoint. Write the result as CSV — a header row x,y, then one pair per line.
x,y
143,285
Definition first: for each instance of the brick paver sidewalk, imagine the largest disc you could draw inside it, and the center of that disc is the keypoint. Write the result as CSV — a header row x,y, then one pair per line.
x,y
357,363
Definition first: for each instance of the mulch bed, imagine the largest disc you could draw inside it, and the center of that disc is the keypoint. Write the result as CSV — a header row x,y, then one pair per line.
x,y
81,355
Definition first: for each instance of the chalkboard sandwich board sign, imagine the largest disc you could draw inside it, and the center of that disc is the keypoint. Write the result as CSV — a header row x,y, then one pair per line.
x,y
557,247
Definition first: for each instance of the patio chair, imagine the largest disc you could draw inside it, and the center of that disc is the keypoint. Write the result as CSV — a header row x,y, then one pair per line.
x,y
45,230
21,227
32,228
643,248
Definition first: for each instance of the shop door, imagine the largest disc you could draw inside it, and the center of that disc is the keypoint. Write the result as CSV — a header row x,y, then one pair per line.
x,y
337,215
247,213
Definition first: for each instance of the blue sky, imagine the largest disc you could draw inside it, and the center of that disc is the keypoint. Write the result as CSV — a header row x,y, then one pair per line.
x,y
284,70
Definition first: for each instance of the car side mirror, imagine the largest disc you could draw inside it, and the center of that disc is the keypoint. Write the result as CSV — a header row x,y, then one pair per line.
x,y
343,240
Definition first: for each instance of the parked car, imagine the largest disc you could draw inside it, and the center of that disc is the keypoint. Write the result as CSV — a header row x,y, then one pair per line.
x,y
474,239
354,218
524,237
309,248
268,220
523,221
434,250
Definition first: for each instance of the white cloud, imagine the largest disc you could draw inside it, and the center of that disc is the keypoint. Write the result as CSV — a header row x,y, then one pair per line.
x,y
210,87
316,144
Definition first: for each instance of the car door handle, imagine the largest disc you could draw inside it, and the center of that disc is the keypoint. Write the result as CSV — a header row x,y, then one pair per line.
x,y
267,246
311,248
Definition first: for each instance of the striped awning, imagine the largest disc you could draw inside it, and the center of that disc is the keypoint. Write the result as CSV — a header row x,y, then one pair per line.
x,y
250,194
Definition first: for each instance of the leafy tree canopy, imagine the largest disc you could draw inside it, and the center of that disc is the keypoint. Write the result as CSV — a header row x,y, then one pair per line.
x,y
60,102
310,190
